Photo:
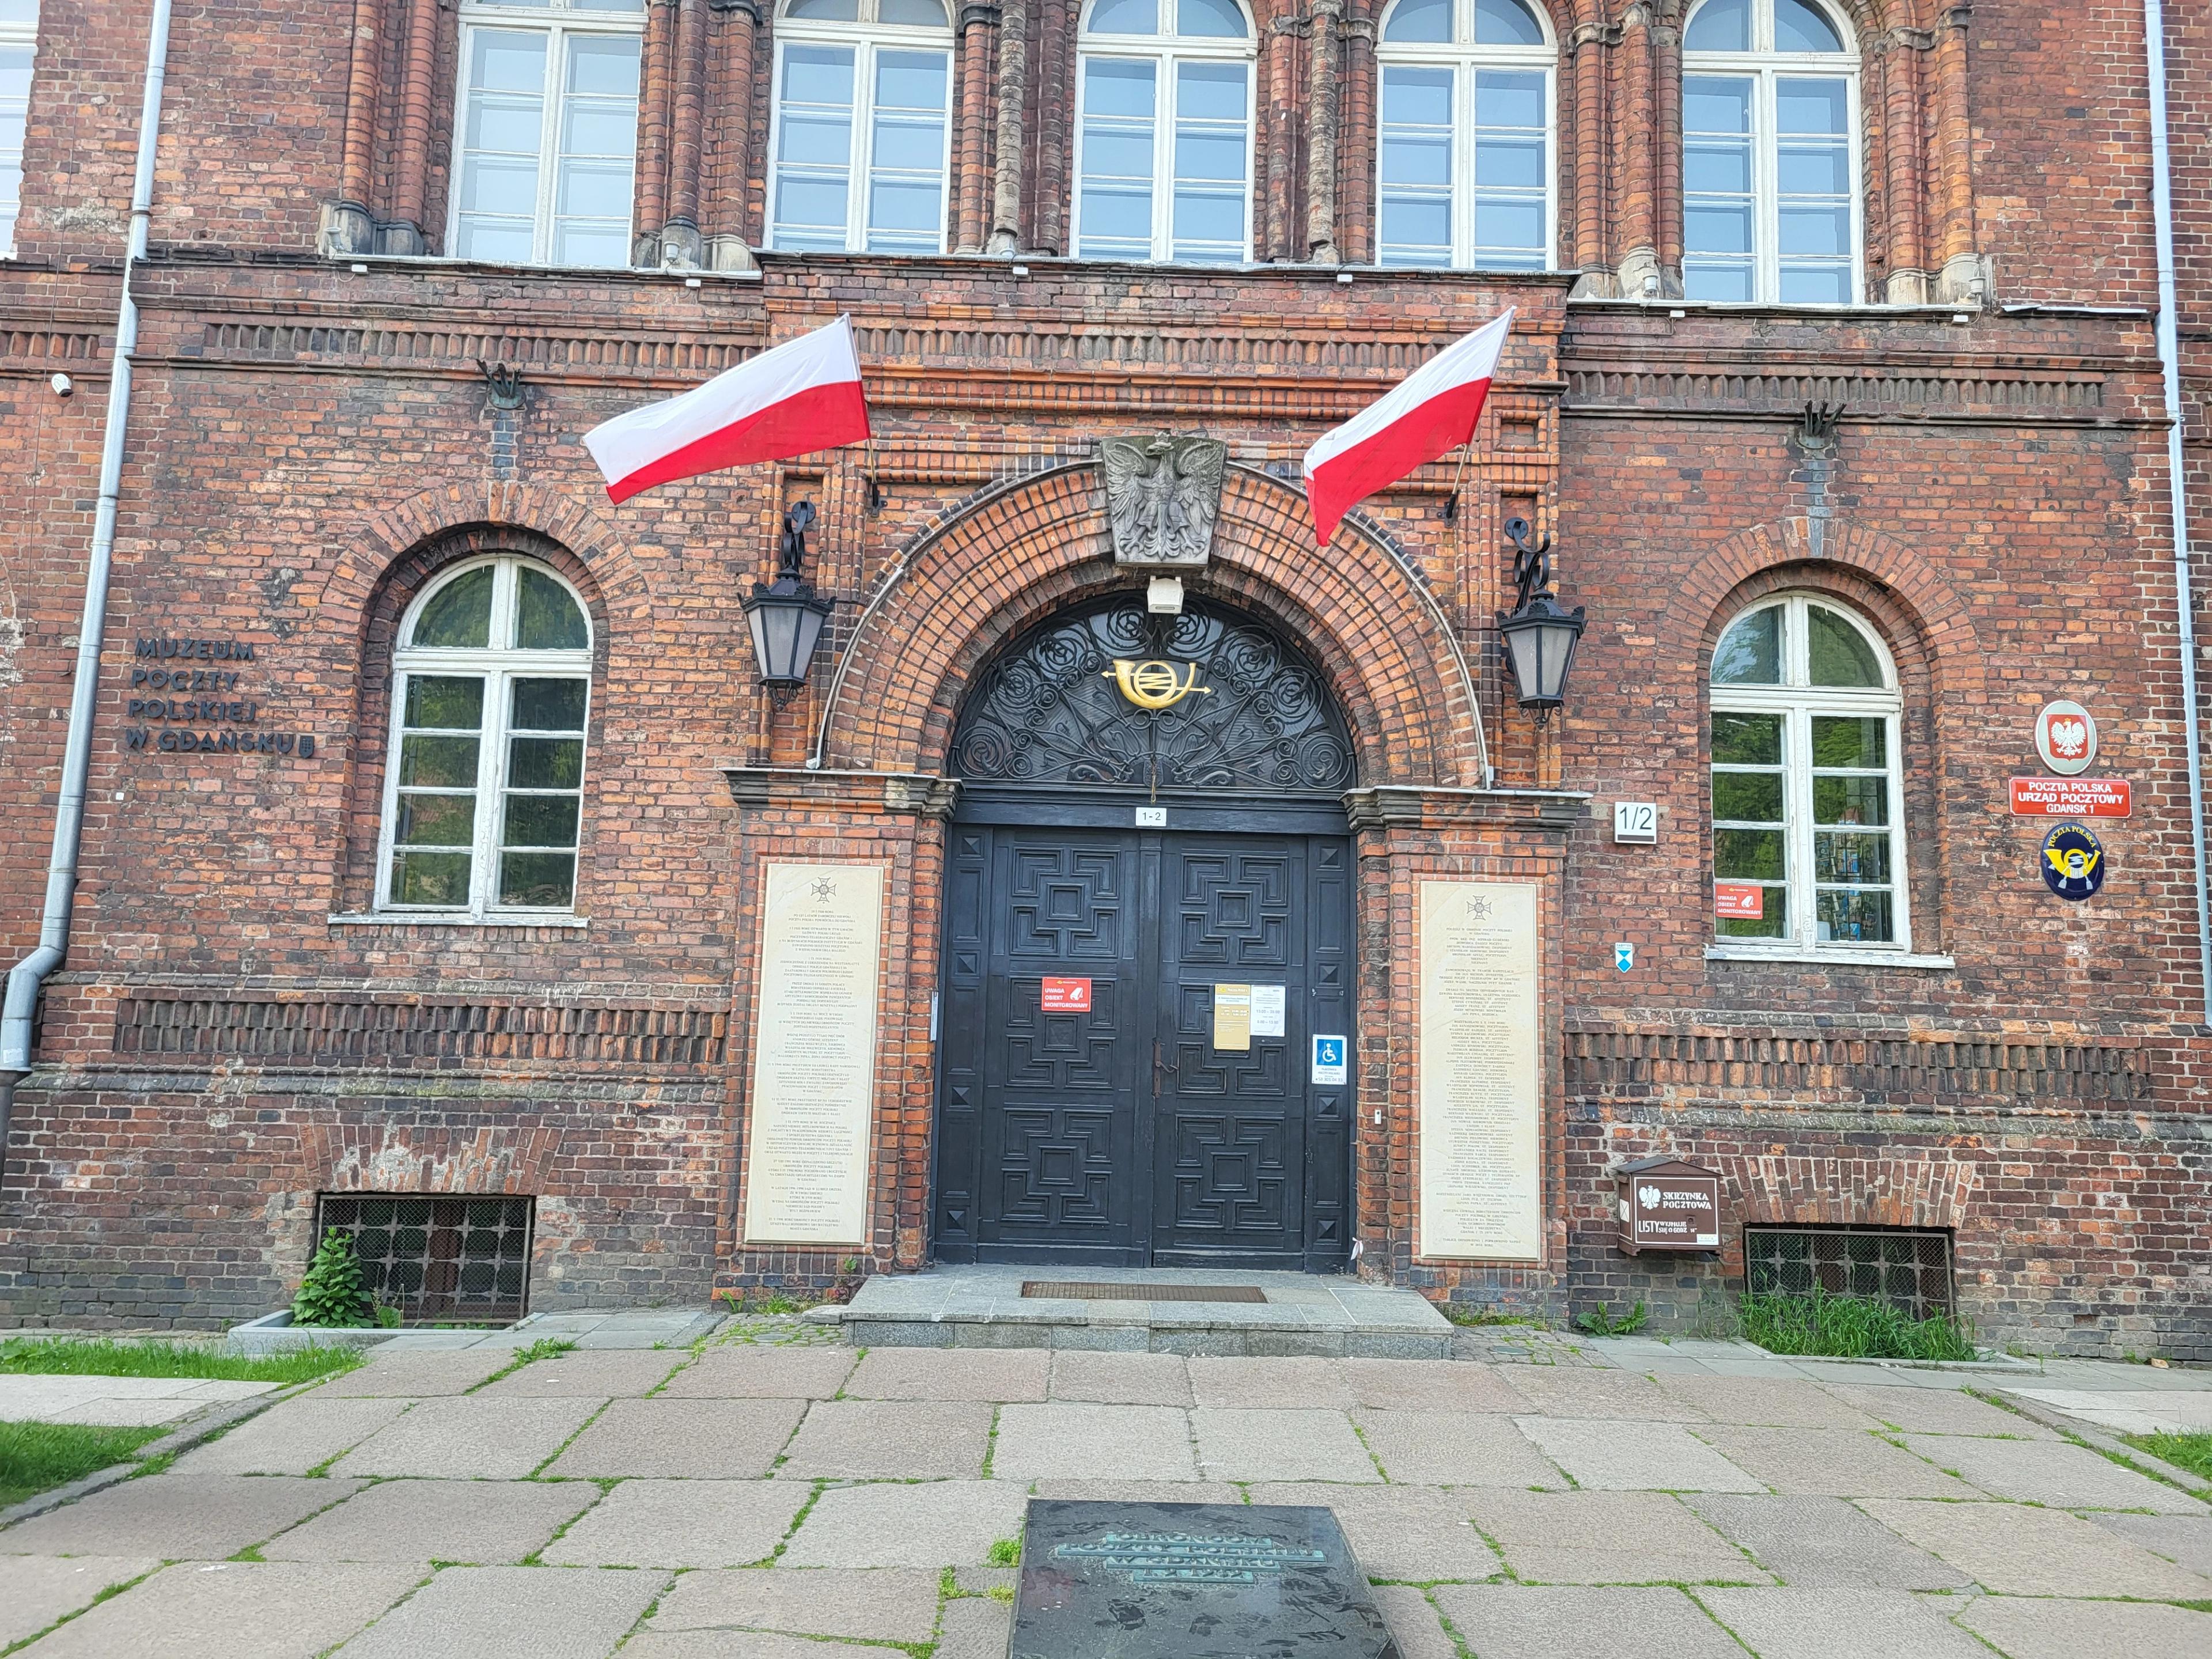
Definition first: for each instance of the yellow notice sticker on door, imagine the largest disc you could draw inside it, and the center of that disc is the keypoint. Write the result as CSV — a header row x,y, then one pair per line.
x,y
1232,1019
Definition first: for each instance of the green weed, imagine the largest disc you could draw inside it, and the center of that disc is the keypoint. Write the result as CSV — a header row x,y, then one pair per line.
x,y
1850,1327
2192,1452
1599,1320
1006,1553
36,1457
95,1357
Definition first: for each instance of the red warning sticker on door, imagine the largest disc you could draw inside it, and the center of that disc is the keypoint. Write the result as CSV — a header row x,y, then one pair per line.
x,y
1066,996
1744,899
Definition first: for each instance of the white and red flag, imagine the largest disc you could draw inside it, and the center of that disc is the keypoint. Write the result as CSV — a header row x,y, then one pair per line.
x,y
799,397
1428,414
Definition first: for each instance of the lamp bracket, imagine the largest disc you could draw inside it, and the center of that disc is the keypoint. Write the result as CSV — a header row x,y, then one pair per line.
x,y
792,548
1532,565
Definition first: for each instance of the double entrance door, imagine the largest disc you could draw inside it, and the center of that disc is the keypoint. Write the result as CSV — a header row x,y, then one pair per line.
x,y
1127,1072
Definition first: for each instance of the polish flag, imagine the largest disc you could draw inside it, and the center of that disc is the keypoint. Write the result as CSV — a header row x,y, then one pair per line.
x,y
802,396
1429,413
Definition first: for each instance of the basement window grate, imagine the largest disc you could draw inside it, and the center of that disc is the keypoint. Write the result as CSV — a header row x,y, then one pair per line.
x,y
1907,1269
460,1259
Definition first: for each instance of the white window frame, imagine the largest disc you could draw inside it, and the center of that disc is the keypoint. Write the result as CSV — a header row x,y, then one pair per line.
x,y
1763,66
1462,56
1165,50
498,665
1799,702
21,34
560,20
865,38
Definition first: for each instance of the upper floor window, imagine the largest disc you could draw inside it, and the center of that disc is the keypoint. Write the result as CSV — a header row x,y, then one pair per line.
x,y
19,42
1164,131
1808,808
1770,154
863,141
483,797
547,151
1465,156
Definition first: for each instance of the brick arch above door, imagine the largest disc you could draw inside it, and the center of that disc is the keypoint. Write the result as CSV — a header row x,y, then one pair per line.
x,y
1018,552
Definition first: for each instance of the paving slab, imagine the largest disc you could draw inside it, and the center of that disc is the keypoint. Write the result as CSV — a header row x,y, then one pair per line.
x,y
1605,1455
2134,1410
1824,1543
938,1374
1312,1383
744,1372
975,1627
682,1524
1765,1402
1246,1443
472,1439
1417,1534
709,1439
419,1374
1413,1623
2021,1550
1578,1391
233,1610
1071,1440
888,1440
512,1613
293,1438
2025,1629
485,1523
598,1374
37,1589
1805,1623
1454,1449
124,1413
178,1517
938,1523
1936,1411
1607,1538
747,1644
1836,1462
1518,1621
2051,1472
1141,1492
1433,1385
888,1604
2185,1539
1121,1379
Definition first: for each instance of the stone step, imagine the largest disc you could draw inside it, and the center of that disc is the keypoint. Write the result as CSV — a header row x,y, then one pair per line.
x,y
1301,1315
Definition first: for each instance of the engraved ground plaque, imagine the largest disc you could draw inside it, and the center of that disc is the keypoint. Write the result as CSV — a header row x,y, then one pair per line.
x,y
1191,1581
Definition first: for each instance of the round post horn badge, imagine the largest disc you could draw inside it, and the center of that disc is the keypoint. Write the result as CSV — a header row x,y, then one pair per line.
x,y
2072,862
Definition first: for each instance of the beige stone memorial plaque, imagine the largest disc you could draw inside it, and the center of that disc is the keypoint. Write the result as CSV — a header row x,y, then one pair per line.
x,y
814,1055
1481,1193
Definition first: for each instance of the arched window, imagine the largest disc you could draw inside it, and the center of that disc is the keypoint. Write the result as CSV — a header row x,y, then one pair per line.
x,y
1808,839
862,139
1770,154
19,44
547,150
491,689
1164,131
1465,157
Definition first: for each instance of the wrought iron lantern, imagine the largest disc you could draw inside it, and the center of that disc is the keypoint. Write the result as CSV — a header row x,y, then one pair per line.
x,y
787,615
1539,637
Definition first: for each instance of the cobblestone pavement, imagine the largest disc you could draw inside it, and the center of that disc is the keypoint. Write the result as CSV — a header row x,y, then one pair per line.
x,y
768,1494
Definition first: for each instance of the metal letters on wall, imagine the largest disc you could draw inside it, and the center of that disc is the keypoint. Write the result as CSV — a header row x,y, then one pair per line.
x,y
1162,495
1049,710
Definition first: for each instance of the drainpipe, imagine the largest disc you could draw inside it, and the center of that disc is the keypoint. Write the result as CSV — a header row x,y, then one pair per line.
x,y
25,978
2169,357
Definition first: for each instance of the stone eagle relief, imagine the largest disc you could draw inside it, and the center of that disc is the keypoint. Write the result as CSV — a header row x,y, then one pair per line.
x,y
1162,495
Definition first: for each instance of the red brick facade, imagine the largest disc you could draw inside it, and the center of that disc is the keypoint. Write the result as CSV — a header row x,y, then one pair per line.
x,y
312,440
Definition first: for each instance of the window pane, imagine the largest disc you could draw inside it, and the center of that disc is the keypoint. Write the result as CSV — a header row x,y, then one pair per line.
x,y
502,128
1851,800
458,615
1750,652
1816,285
1816,230
1417,161
1712,280
1855,859
1845,741
1419,20
912,81
448,761
1747,797
1115,193
913,14
435,820
906,184
1417,97
1220,20
1811,106
1416,231
1799,27
507,60
1769,923
825,11
1839,652
1209,91
1857,918
448,702
1506,23
1416,166
1814,170
1513,166
1748,739
544,763
1126,17
547,618
1720,25
818,75
541,820
1714,227
1507,226
1508,97
508,241
1118,87
440,879
1722,169
538,881
549,705
814,148
1748,855
1717,104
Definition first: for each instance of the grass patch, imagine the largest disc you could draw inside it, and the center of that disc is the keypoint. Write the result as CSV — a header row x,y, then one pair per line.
x,y
1471,1318
70,1357
1600,1321
2192,1452
1006,1553
36,1458
1850,1327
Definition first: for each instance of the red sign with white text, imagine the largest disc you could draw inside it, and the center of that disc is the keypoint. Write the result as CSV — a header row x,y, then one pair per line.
x,y
1066,996
2070,798
1742,900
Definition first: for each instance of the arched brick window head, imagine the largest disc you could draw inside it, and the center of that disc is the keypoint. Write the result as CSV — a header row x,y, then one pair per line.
x,y
1771,163
491,696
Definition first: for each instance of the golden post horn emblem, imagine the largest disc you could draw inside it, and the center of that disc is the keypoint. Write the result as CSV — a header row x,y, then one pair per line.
x,y
1154,684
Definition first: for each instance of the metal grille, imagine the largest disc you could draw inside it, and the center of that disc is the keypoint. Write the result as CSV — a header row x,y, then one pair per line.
x,y
1910,1270
461,1258
1078,1291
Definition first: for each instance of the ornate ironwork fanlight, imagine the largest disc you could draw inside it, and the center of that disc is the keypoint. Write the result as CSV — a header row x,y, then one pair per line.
x,y
787,615
1539,637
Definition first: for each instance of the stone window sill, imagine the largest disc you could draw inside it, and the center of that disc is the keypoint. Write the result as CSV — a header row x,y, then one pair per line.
x,y
454,919
1832,958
